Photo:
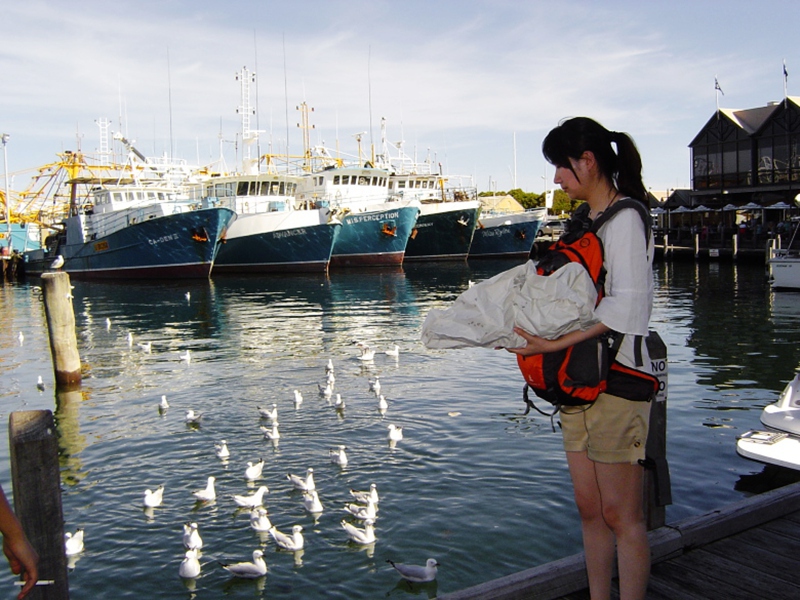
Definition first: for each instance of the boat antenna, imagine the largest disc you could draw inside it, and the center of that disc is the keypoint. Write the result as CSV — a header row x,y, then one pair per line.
x,y
369,94
286,99
169,87
258,129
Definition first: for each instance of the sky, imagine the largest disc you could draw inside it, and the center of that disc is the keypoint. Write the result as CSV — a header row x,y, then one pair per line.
x,y
472,84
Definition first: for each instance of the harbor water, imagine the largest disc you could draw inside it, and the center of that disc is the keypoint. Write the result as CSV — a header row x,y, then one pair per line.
x,y
474,483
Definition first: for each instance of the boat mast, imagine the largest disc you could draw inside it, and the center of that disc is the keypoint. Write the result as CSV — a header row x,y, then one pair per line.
x,y
249,136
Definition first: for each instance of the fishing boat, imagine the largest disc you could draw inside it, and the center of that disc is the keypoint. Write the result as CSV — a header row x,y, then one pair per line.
x,y
508,235
271,233
784,264
134,231
375,228
780,443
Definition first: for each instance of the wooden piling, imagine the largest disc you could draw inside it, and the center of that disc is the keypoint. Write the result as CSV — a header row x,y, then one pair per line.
x,y
36,482
57,292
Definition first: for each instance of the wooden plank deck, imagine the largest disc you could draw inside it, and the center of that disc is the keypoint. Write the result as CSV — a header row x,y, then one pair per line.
x,y
747,550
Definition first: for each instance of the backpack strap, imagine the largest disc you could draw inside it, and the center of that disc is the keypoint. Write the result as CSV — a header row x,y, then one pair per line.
x,y
619,205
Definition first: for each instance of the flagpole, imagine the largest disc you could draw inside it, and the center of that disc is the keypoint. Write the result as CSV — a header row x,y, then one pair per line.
x,y
785,85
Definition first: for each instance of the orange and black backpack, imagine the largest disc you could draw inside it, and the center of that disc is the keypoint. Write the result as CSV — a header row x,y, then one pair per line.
x,y
579,374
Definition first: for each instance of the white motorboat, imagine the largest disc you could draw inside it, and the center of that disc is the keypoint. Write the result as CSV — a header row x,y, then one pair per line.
x,y
780,443
784,265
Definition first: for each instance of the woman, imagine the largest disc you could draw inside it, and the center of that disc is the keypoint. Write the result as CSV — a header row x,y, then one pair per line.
x,y
605,441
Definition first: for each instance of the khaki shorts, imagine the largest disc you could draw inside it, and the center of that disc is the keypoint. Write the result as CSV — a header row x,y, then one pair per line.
x,y
610,430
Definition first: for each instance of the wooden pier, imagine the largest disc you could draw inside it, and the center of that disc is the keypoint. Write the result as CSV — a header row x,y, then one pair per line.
x,y
747,550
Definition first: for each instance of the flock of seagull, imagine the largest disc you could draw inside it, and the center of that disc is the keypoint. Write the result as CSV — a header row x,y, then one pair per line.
x,y
362,510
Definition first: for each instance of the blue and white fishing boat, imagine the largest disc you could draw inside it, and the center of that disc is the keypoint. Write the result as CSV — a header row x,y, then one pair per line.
x,y
271,233
375,230
509,235
134,232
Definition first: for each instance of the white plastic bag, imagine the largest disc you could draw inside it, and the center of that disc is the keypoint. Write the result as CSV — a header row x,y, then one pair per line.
x,y
484,315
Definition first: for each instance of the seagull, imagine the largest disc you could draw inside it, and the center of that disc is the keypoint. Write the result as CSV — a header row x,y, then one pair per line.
x,y
298,398
130,339
305,484
338,456
362,512
330,378
21,338
339,403
271,414
248,570
193,418
272,434
153,499
108,324
40,384
383,405
415,573
360,536
329,366
188,296
394,352
364,496
253,470
187,356
259,520
253,500
326,390
208,493
367,354
191,537
73,542
146,346
311,502
395,433
375,386
190,566
293,542
222,451
163,405
57,263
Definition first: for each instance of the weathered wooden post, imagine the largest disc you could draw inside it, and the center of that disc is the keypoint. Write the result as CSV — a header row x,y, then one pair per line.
x,y
61,327
658,488
37,496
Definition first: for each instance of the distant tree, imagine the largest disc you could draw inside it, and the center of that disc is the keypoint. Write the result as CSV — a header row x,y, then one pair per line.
x,y
561,200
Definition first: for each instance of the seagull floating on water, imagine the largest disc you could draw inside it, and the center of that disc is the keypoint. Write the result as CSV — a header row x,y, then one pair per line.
x,y
153,498
360,536
395,433
293,543
193,418
147,347
188,296
207,494
271,433
259,520
40,384
73,542
329,366
367,354
339,402
383,405
326,390
362,512
248,570
253,500
306,483
394,352
21,338
338,456
253,470
221,449
130,339
186,356
375,386
298,398
163,405
190,566
108,324
269,413
364,496
330,378
416,573
312,503
191,537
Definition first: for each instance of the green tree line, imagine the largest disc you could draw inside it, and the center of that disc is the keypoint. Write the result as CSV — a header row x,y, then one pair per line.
x,y
561,201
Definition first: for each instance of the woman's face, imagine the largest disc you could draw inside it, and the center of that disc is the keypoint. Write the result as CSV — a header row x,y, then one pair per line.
x,y
573,181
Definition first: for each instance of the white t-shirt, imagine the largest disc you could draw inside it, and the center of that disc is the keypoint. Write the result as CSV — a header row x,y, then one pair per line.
x,y
628,259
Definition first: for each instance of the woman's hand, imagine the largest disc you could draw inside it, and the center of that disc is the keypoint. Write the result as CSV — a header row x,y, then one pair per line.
x,y
534,344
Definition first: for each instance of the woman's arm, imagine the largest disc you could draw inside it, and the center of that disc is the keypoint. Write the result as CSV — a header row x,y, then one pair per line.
x,y
21,555
539,345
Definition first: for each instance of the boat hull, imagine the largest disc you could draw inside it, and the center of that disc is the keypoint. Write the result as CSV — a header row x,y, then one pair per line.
x,y
508,236
290,242
374,237
772,448
785,271
180,245
444,231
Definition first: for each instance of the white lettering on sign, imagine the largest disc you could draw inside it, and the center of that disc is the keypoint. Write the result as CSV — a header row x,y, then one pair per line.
x,y
162,239
290,233
379,217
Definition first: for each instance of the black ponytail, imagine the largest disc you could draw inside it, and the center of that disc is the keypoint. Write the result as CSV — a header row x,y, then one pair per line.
x,y
575,136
